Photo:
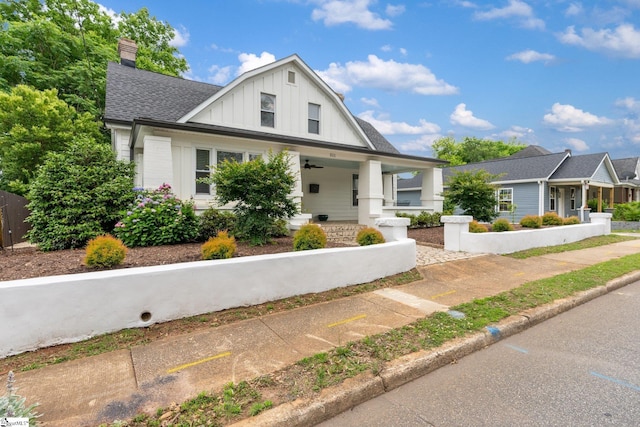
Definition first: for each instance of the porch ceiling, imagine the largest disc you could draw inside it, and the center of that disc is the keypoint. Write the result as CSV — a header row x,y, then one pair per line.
x,y
352,164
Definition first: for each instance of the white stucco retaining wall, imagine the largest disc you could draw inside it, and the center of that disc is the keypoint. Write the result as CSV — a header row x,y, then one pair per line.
x,y
458,238
60,309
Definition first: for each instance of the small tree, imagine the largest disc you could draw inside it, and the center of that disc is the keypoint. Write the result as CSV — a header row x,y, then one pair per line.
x,y
262,192
473,192
78,195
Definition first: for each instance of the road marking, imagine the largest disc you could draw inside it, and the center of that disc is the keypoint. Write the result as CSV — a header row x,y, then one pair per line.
x,y
516,348
443,294
615,380
342,322
198,362
421,304
521,273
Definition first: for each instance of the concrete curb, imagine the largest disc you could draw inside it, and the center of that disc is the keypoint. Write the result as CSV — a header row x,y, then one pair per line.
x,y
335,400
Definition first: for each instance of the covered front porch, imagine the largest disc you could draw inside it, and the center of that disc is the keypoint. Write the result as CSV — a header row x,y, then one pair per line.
x,y
355,189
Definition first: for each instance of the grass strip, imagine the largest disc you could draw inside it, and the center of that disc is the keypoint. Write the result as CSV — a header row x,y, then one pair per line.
x,y
590,242
312,374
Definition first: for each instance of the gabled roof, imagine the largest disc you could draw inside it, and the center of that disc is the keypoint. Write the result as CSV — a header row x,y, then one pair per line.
x,y
583,167
524,169
133,94
529,151
626,168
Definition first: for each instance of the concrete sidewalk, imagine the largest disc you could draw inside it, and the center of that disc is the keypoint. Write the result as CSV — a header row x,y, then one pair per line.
x,y
120,384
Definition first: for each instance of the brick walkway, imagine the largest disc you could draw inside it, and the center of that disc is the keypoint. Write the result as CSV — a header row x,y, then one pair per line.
x,y
426,255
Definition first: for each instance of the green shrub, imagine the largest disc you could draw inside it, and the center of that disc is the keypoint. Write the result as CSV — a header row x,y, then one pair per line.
x,y
435,219
627,211
476,227
212,221
104,251
571,220
279,228
309,236
222,246
78,195
551,218
424,219
369,236
531,221
413,220
501,224
157,218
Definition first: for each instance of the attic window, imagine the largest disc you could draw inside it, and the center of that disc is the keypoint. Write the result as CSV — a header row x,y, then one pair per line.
x,y
291,77
268,110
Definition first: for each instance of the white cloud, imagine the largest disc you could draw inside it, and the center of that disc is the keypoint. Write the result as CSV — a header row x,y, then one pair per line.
x,y
463,117
387,127
516,132
424,143
623,41
395,10
528,56
249,61
372,102
386,48
219,75
464,3
222,49
385,75
517,9
403,51
336,12
567,118
574,9
629,103
577,144
180,37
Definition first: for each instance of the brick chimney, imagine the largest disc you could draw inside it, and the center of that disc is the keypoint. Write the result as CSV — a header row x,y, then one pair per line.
x,y
127,49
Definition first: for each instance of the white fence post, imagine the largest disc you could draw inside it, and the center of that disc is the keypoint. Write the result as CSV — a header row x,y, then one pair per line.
x,y
454,226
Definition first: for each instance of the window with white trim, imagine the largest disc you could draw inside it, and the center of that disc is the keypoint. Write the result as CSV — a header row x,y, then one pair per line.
x,y
314,118
354,189
231,156
267,110
203,160
552,198
572,199
505,199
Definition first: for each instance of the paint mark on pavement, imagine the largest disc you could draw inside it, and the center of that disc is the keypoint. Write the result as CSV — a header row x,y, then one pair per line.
x,y
352,319
520,273
617,381
444,294
198,362
516,348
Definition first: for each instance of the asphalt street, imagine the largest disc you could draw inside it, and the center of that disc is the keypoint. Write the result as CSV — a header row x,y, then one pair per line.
x,y
580,368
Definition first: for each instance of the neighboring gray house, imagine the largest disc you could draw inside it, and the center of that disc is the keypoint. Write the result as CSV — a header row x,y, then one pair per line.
x,y
537,181
176,130
628,171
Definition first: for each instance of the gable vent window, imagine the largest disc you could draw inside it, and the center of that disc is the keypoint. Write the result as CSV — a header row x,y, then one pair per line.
x,y
291,77
314,119
267,110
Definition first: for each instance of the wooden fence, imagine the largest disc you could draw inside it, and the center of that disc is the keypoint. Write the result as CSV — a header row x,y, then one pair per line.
x,y
13,212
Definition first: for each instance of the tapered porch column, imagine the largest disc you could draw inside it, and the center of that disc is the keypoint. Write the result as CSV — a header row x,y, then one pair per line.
x,y
431,196
388,184
296,194
157,162
370,194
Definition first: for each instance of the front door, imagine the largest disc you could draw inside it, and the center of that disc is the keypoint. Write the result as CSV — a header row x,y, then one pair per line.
x,y
560,202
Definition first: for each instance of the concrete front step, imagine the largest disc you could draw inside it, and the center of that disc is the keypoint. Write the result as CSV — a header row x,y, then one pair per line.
x,y
341,233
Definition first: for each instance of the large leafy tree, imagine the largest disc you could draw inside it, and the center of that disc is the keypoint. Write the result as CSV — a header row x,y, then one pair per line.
x,y
33,123
262,192
472,150
473,192
66,44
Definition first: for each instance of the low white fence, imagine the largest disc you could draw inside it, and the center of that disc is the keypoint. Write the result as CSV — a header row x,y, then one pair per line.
x,y
60,309
458,238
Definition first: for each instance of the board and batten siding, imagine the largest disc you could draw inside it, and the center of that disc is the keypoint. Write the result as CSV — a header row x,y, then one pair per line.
x,y
335,195
240,108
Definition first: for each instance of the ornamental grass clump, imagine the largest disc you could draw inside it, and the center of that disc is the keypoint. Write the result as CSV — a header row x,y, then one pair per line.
x,y
572,220
104,251
309,236
476,227
369,236
222,246
531,221
551,218
157,218
501,224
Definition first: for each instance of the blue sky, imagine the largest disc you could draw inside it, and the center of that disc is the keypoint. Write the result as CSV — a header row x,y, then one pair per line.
x,y
560,74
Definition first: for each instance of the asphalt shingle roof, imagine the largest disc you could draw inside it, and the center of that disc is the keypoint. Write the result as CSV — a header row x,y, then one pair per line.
x,y
625,167
133,93
579,167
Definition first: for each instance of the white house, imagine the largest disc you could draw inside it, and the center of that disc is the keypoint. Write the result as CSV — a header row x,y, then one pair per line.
x,y
175,129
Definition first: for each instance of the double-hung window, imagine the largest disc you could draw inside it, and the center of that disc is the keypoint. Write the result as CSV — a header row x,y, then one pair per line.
x,y
203,160
572,199
552,198
314,118
505,199
267,110
231,156
354,189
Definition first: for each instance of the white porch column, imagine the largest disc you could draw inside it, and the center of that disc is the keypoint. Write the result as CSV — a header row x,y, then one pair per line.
x,y
583,201
370,195
294,166
157,162
431,196
388,186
